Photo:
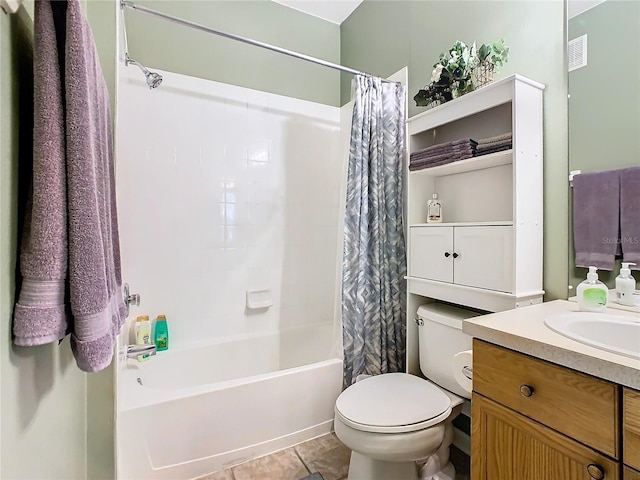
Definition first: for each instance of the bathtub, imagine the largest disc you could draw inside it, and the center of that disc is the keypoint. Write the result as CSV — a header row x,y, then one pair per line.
x,y
188,412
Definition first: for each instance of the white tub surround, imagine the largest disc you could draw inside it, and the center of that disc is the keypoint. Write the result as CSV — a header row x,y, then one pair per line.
x,y
225,190
229,211
523,330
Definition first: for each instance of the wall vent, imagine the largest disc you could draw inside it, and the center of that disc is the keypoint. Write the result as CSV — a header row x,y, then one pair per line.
x,y
578,52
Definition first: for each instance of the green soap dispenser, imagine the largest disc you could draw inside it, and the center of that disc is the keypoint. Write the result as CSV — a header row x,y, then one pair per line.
x,y
161,333
592,293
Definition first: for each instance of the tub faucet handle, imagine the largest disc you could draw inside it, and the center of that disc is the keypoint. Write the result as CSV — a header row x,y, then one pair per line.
x,y
130,298
134,350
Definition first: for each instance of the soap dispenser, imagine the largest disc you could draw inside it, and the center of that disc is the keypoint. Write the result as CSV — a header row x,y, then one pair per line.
x,y
625,285
592,293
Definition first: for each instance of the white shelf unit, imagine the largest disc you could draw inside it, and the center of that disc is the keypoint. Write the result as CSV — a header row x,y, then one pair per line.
x,y
492,205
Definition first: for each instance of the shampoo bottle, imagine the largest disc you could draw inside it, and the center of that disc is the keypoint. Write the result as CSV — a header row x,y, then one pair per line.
x,y
625,285
434,210
592,293
143,334
161,333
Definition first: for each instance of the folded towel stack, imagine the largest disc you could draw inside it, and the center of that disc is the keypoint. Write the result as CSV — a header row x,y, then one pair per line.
x,y
494,144
442,153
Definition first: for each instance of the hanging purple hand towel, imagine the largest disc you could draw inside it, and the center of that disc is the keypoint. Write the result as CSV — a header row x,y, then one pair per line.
x,y
630,215
596,213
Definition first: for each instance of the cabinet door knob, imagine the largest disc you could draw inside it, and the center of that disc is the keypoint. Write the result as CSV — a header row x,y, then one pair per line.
x,y
455,255
526,390
595,471
447,254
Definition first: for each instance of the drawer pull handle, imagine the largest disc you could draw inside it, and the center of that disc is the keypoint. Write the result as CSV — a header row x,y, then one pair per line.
x,y
447,254
526,390
456,255
595,471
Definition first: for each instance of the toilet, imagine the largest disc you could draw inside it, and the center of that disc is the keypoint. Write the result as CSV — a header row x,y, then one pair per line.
x,y
395,421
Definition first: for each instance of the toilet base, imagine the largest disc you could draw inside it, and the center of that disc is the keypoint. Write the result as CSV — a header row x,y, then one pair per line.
x,y
366,468
447,473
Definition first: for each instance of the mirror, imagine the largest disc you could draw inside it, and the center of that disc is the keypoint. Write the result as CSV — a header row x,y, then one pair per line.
x,y
604,99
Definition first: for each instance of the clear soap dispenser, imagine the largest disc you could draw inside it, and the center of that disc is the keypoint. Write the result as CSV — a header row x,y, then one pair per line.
x,y
625,285
592,293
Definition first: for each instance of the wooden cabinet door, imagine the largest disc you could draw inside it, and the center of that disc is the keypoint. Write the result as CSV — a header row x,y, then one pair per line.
x,y
484,257
630,474
431,253
631,426
508,446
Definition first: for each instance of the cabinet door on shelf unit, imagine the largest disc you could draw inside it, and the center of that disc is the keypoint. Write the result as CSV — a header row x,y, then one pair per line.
x,y
484,257
431,254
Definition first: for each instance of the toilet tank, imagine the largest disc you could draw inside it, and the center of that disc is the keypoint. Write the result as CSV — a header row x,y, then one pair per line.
x,y
440,337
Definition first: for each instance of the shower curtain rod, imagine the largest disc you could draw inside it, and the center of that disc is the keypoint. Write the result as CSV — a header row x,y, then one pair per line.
x,y
256,43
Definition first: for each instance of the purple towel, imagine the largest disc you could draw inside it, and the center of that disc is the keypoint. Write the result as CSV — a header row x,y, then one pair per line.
x,y
596,208
630,215
94,249
91,228
39,315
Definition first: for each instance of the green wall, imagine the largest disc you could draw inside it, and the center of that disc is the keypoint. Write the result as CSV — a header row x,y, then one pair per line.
x,y
604,108
383,36
42,393
160,44
57,425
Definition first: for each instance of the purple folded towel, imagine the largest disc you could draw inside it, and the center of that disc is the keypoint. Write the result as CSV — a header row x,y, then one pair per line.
x,y
497,139
448,146
596,208
88,212
630,215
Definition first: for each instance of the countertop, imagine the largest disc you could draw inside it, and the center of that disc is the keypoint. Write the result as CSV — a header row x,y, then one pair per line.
x,y
523,330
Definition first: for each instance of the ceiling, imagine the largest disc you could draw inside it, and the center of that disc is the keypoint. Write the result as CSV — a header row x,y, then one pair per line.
x,y
576,7
335,11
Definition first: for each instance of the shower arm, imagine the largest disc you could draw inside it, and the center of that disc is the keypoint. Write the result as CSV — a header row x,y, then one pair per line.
x,y
139,8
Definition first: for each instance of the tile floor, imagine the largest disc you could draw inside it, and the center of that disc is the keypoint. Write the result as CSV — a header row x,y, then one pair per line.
x,y
325,454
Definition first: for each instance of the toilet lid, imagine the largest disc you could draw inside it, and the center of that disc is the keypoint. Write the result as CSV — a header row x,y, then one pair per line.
x,y
392,402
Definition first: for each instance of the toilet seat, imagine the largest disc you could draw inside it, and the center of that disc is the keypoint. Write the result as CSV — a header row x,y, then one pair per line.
x,y
392,403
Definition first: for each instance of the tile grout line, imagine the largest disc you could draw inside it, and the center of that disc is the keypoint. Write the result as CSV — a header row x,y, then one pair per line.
x,y
300,458
233,475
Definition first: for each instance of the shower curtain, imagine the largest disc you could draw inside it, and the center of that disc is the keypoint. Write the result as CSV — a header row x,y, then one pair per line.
x,y
374,264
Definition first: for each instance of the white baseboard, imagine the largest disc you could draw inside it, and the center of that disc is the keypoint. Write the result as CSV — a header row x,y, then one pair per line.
x,y
462,441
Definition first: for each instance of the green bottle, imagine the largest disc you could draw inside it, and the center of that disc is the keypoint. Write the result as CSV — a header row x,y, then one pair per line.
x,y
161,333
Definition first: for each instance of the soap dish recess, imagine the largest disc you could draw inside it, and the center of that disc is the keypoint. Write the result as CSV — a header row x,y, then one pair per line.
x,y
259,299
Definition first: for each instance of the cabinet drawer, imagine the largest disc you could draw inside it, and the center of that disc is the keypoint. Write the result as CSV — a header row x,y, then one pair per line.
x,y
580,406
631,426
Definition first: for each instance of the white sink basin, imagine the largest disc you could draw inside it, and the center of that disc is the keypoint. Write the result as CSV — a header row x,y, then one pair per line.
x,y
613,333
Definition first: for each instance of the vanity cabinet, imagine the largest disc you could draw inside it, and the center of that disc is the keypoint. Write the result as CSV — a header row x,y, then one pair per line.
x,y
488,253
534,420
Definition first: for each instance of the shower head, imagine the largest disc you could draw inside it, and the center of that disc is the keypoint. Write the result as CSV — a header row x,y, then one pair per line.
x,y
153,79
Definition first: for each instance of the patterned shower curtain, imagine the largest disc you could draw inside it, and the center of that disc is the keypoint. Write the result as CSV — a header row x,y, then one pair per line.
x,y
374,262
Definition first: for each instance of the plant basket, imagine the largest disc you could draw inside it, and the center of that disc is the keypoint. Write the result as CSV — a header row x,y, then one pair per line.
x,y
484,74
